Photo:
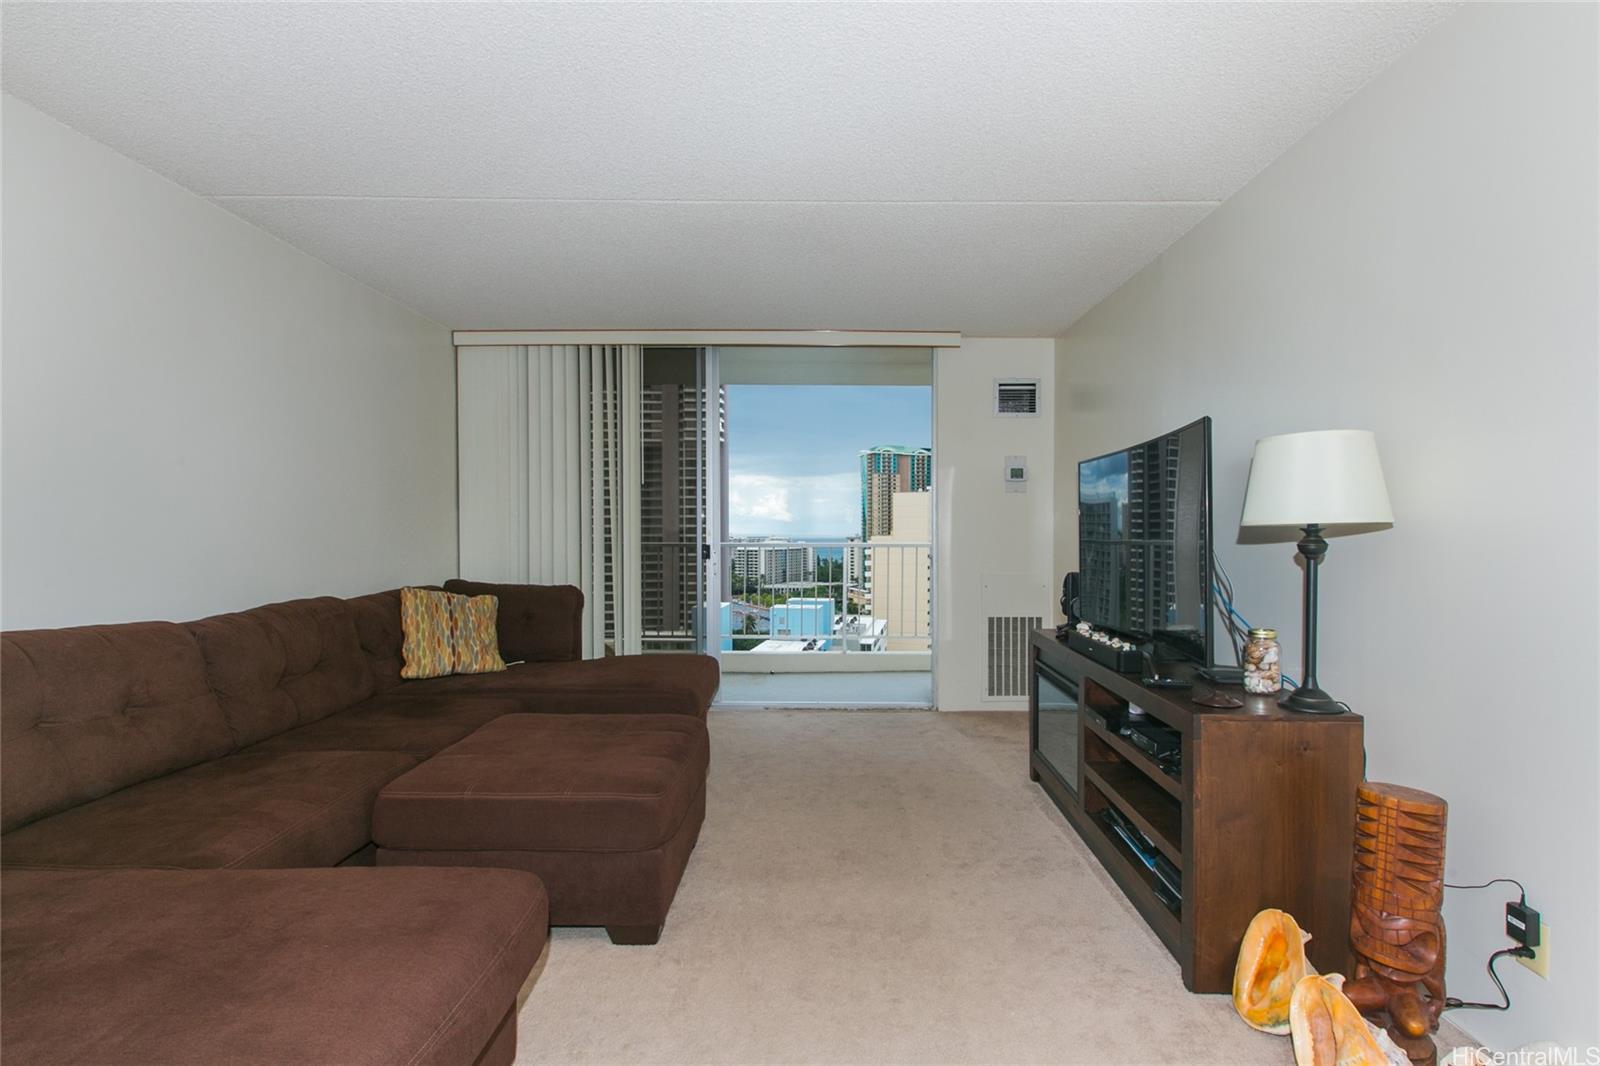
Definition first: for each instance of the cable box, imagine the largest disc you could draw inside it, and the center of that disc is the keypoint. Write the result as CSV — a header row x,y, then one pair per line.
x,y
1154,739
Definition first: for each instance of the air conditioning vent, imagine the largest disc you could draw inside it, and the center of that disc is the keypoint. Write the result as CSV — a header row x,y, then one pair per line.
x,y
1016,398
1008,655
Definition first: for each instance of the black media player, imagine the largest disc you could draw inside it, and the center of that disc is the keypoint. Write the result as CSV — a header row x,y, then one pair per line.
x,y
1154,739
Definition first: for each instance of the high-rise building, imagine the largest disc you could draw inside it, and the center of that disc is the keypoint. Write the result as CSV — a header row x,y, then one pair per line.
x,y
1152,525
901,574
886,470
854,562
773,561
670,414
1098,532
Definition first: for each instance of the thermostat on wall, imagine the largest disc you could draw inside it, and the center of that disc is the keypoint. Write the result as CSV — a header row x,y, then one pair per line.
x,y
1016,473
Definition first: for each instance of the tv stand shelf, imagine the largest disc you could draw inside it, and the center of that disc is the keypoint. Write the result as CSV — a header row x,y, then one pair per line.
x,y
1262,813
1166,782
1138,883
1131,793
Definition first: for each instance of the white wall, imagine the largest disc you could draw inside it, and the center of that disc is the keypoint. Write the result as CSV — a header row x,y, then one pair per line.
x,y
987,537
198,417
1423,265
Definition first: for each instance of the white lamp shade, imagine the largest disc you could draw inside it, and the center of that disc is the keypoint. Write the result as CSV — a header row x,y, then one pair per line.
x,y
1331,478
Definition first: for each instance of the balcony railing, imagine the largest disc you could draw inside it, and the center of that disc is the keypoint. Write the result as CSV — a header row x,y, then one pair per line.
x,y
795,597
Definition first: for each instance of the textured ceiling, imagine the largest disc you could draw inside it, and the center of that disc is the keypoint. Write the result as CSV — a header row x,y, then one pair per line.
x,y
989,168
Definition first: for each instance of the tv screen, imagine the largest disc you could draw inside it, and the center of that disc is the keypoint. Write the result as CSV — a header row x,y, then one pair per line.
x,y
1144,542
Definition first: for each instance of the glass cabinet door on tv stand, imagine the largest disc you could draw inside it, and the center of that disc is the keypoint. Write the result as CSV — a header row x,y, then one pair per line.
x,y
1055,726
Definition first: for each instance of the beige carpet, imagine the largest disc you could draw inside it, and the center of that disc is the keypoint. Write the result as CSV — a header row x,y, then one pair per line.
x,y
881,886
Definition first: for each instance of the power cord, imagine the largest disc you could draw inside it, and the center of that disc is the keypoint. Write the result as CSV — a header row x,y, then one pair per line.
x,y
1522,892
1239,632
1223,589
1238,625
1518,952
1451,1003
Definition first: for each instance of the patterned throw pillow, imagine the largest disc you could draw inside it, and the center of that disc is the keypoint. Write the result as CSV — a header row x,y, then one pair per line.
x,y
425,623
475,642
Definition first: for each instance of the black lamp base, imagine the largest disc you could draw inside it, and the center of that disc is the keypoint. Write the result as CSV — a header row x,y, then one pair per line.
x,y
1309,700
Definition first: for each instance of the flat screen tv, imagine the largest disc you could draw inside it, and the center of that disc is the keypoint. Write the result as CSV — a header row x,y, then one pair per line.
x,y
1144,543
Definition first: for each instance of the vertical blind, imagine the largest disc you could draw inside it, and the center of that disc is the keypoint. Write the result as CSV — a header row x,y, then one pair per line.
x,y
548,455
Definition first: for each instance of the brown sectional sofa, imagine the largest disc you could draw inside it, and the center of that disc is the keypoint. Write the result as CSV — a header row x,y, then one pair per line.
x,y
266,966
146,768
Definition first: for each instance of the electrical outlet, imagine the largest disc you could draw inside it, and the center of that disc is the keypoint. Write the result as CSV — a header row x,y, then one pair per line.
x,y
1540,963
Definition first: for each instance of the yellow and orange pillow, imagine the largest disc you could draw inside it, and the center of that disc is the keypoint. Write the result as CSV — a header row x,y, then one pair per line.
x,y
448,634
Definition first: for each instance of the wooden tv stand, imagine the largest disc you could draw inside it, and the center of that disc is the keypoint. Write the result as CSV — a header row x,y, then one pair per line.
x,y
1261,815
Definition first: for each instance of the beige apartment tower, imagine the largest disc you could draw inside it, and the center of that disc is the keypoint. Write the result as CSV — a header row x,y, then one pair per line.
x,y
901,573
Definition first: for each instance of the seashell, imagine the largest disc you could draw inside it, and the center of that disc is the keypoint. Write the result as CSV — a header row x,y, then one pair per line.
x,y
1272,961
1326,1027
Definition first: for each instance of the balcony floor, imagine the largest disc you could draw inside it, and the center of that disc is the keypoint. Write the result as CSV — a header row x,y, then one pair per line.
x,y
894,688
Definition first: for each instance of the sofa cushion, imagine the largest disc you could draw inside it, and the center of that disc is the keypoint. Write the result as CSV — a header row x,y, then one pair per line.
x,y
536,623
264,966
309,808
377,618
89,710
418,725
283,665
535,782
619,684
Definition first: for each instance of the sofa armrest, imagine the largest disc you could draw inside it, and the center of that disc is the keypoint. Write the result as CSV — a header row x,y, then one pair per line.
x,y
536,623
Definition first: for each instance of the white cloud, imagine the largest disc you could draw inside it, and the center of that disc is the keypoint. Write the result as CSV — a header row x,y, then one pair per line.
x,y
817,505
759,497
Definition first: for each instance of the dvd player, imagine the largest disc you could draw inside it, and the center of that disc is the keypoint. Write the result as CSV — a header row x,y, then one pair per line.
x,y
1154,739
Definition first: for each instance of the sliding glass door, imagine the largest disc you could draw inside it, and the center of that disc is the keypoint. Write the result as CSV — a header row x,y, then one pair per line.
x,y
822,576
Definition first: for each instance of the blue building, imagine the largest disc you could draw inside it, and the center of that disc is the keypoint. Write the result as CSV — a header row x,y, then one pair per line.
x,y
802,618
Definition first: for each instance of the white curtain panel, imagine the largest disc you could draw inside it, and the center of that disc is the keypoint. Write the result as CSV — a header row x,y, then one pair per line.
x,y
549,450
492,463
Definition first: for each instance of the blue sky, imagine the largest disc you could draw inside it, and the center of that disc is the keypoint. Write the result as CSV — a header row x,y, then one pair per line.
x,y
793,469
1105,478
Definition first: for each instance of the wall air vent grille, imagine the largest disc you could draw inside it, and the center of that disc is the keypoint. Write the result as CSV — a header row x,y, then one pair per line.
x,y
1016,397
1008,654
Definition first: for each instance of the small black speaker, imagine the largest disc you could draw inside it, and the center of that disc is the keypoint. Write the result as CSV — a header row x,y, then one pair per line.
x,y
1069,598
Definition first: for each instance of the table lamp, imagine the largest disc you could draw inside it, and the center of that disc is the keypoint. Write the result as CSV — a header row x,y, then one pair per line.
x,y
1327,483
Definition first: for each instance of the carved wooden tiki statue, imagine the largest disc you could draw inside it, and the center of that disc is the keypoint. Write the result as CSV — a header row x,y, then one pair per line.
x,y
1396,929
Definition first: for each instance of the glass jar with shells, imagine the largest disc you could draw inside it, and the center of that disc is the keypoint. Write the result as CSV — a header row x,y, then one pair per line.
x,y
1262,671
